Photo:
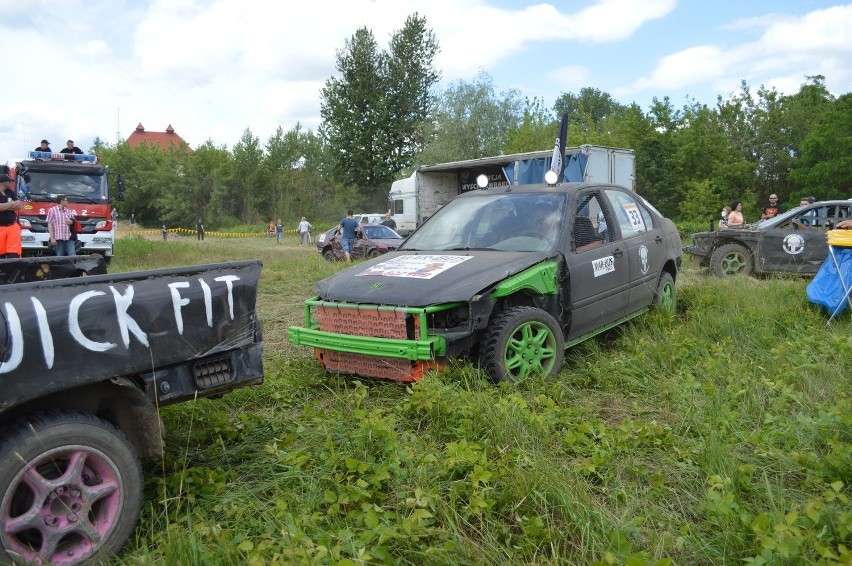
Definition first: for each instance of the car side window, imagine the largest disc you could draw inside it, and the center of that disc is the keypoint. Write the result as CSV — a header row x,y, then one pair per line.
x,y
591,223
633,218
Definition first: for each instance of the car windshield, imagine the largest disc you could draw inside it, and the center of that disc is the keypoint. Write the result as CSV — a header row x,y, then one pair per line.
x,y
78,188
508,222
379,232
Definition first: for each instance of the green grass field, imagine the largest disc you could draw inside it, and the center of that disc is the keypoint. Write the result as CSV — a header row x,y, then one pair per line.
x,y
720,435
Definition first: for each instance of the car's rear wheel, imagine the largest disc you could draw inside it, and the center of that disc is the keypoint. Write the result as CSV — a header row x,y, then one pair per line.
x,y
731,259
522,342
665,297
72,489
328,255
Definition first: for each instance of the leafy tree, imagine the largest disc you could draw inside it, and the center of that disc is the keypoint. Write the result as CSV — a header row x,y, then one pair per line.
x,y
374,113
247,197
411,76
824,168
472,121
537,130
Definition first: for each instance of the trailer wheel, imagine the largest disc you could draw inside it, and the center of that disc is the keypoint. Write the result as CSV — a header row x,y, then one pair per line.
x,y
71,489
731,259
521,342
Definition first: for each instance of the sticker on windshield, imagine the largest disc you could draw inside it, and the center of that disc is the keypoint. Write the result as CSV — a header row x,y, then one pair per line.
x,y
636,221
415,266
793,244
603,265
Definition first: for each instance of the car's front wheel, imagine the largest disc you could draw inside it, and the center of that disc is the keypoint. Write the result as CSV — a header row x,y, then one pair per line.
x,y
522,342
328,255
731,259
72,489
665,297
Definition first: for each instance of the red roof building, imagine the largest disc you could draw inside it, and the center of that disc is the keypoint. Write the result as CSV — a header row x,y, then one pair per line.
x,y
165,139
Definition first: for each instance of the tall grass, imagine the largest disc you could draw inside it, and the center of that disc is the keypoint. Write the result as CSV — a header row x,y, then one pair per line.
x,y
718,436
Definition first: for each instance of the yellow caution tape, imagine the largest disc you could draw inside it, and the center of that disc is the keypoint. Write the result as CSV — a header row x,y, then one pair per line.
x,y
193,232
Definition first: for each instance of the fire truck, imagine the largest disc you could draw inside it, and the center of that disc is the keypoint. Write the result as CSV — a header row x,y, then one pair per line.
x,y
42,177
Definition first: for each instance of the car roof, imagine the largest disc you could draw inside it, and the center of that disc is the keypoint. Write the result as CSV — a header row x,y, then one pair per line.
x,y
542,188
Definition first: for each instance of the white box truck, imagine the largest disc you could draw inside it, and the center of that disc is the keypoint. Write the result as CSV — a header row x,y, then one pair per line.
x,y
413,199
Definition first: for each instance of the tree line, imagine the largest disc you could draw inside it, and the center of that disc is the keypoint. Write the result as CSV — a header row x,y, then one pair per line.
x,y
382,115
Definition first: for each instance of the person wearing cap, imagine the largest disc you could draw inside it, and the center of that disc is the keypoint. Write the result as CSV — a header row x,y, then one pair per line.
x,y
389,221
10,231
70,150
59,221
45,147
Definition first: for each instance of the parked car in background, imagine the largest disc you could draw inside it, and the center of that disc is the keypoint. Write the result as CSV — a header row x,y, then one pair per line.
x,y
374,240
369,217
508,276
793,242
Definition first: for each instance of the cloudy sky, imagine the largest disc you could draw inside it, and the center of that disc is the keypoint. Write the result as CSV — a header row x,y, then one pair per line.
x,y
212,68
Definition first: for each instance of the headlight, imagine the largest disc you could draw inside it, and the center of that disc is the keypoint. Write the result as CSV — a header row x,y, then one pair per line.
x,y
101,225
24,223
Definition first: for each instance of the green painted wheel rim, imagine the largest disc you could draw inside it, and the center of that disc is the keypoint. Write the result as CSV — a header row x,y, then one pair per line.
x,y
667,298
733,263
531,349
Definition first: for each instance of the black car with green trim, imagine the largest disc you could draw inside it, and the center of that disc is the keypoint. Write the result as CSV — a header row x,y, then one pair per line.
x,y
509,276
793,242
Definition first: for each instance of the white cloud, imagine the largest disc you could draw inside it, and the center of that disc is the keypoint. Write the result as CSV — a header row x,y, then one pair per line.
x,y
787,49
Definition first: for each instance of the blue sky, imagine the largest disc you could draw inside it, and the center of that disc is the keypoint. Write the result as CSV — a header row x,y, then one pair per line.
x,y
212,68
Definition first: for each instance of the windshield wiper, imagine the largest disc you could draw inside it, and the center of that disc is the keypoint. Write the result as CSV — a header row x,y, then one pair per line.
x,y
32,194
81,198
467,249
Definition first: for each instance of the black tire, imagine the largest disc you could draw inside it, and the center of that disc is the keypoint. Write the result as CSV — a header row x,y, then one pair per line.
x,y
665,298
521,342
731,259
72,489
328,255
373,253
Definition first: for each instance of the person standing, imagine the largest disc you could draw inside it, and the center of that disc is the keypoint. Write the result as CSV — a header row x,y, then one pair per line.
x,y
279,231
348,229
165,233
44,147
773,209
59,221
114,218
199,230
10,231
133,218
70,150
389,221
305,231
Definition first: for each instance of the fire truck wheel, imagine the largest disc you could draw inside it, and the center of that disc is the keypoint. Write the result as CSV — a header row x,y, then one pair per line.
x,y
71,489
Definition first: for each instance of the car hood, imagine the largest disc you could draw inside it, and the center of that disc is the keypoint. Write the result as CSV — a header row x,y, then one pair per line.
x,y
419,279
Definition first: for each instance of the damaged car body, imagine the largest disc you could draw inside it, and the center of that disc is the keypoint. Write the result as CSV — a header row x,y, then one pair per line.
x,y
509,276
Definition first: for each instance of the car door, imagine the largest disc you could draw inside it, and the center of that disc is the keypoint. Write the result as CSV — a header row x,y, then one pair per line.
x,y
798,244
597,264
644,241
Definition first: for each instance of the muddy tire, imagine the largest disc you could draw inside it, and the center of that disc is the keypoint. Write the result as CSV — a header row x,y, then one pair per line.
x,y
521,342
730,260
373,253
665,298
71,489
328,255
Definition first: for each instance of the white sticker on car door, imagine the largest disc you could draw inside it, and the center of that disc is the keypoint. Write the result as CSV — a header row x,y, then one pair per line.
x,y
603,265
